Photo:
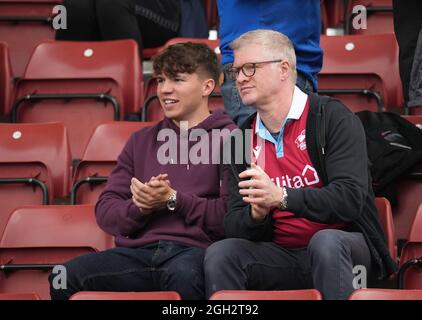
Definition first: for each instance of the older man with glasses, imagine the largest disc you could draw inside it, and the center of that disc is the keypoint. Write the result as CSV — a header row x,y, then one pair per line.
x,y
299,20
301,211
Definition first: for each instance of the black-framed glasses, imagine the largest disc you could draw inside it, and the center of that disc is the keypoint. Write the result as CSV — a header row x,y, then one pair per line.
x,y
248,69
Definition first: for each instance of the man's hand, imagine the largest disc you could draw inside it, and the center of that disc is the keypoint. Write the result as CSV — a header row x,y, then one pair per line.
x,y
259,191
152,195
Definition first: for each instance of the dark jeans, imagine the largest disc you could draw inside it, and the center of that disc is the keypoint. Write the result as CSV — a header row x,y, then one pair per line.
x,y
326,264
149,22
163,266
233,104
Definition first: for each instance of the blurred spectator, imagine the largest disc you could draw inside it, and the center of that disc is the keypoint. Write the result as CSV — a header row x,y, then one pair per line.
x,y
299,20
150,22
408,27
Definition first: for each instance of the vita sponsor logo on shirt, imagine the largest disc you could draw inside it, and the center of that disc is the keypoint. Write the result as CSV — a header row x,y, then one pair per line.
x,y
301,141
308,177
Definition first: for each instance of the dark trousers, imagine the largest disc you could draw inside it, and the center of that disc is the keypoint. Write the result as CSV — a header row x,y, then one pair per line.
x,y
326,264
149,22
163,266
407,26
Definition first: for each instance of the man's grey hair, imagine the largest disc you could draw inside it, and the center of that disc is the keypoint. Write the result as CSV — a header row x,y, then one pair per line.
x,y
276,46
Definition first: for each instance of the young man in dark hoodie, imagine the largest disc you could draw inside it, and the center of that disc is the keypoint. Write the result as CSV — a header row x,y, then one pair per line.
x,y
163,206
303,214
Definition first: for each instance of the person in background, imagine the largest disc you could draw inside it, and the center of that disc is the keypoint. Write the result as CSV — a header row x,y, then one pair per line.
x,y
150,22
408,30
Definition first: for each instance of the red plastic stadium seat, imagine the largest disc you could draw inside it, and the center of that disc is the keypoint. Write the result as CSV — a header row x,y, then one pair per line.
x,y
386,294
411,256
409,195
19,296
386,219
35,165
23,25
361,75
82,84
6,78
309,294
379,17
38,237
100,158
153,295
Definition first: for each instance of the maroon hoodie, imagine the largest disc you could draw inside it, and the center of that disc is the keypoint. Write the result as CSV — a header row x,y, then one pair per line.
x,y
201,202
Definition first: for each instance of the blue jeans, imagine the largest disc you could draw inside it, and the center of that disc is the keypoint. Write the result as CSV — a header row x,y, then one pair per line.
x,y
162,266
326,264
233,104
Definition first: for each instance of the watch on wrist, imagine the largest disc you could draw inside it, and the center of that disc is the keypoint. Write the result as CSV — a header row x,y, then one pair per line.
x,y
283,200
171,202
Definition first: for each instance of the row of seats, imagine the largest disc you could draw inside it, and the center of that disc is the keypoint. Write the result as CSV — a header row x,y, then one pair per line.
x,y
36,167
32,20
311,294
37,238
84,84
26,23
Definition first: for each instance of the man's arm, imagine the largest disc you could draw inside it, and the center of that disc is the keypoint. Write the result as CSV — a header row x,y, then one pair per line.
x,y
115,210
239,222
343,199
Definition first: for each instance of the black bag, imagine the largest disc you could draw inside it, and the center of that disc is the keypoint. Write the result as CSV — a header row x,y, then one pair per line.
x,y
394,148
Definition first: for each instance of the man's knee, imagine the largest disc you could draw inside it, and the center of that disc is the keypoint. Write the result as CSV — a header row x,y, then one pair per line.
x,y
220,253
327,245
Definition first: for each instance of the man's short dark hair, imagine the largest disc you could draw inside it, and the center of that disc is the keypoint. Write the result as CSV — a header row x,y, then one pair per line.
x,y
187,57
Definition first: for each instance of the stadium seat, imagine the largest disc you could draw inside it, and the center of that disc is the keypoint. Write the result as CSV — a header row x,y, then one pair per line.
x,y
23,25
308,294
409,195
35,165
153,295
37,238
19,296
410,274
361,75
379,17
99,159
386,219
6,79
386,294
82,84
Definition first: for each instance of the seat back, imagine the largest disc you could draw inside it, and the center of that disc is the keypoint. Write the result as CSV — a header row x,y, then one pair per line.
x,y
83,84
100,157
38,237
35,165
412,277
379,17
6,78
409,195
153,295
386,219
386,294
23,25
308,294
361,75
